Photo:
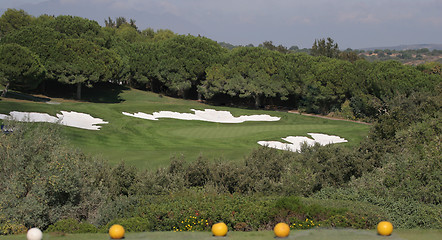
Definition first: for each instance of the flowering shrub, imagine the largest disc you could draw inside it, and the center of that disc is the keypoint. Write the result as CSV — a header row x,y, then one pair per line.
x,y
10,227
307,224
192,223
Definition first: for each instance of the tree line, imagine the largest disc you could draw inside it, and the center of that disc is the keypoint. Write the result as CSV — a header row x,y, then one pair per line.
x,y
39,51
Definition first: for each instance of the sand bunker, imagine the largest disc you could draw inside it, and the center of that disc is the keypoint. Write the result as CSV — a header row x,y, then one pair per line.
x,y
295,143
208,115
72,119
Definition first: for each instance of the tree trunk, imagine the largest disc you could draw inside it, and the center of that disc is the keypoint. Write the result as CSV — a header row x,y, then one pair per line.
x,y
43,87
5,91
78,91
258,101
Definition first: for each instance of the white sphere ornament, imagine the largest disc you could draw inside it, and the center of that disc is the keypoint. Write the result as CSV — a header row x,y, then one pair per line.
x,y
34,234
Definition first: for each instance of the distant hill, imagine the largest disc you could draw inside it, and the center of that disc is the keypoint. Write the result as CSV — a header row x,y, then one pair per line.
x,y
407,47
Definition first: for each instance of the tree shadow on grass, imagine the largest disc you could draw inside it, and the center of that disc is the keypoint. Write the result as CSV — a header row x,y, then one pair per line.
x,y
104,92
25,96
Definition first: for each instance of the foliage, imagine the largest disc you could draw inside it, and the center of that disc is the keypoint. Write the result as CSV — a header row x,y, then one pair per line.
x,y
405,153
42,181
13,19
197,67
40,39
269,45
74,27
8,227
71,225
192,223
322,48
19,67
182,61
255,73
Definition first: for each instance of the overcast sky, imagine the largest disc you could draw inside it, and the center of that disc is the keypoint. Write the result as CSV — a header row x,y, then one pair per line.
x,y
351,23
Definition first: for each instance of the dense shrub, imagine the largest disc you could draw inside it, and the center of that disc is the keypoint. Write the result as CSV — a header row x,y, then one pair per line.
x,y
406,182
308,213
197,209
118,207
169,211
72,226
43,181
40,178
10,227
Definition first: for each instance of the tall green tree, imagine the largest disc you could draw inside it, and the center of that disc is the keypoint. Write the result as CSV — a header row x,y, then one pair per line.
x,y
13,19
249,73
269,45
20,68
69,49
81,62
128,33
143,62
328,48
74,27
163,34
328,85
182,61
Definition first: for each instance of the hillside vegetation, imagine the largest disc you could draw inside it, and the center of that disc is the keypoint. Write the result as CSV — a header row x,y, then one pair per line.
x,y
392,173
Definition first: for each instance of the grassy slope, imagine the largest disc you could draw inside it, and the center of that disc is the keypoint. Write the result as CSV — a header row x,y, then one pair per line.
x,y
317,234
150,144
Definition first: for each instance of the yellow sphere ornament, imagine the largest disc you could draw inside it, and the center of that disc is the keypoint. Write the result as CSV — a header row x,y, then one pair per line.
x,y
281,230
219,229
116,231
385,228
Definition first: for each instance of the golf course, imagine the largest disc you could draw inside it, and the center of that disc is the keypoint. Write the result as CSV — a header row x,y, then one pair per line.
x,y
150,144
110,131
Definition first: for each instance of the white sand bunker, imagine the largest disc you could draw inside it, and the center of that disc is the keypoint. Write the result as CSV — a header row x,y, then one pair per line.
x,y
208,115
72,119
295,143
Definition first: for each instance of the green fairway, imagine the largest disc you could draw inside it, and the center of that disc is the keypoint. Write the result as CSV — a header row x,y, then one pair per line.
x,y
315,234
150,144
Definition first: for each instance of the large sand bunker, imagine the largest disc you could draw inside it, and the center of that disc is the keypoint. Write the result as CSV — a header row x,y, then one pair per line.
x,y
208,115
72,119
295,143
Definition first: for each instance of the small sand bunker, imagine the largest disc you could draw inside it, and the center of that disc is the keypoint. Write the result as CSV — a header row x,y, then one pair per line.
x,y
72,119
295,143
208,115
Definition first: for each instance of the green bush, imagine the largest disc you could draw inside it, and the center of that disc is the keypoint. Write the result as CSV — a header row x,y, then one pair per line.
x,y
43,180
120,207
169,212
72,226
308,213
9,227
197,210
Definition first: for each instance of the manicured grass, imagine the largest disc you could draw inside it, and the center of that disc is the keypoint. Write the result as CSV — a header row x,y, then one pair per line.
x,y
150,144
315,234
